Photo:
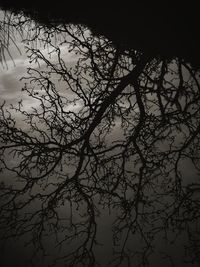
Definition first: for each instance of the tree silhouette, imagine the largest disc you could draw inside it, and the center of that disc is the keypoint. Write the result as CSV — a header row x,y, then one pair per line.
x,y
110,132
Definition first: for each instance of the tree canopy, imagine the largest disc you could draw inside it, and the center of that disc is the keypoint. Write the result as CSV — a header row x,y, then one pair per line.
x,y
169,29
110,132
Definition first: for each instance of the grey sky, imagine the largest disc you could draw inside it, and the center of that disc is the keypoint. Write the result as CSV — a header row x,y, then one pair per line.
x,y
10,91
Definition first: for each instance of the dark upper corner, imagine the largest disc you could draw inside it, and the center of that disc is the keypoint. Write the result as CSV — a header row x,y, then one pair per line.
x,y
168,30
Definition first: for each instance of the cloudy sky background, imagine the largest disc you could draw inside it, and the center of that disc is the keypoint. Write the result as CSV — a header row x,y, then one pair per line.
x,y
10,91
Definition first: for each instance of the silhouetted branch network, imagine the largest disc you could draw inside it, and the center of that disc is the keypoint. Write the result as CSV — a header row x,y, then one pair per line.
x,y
111,131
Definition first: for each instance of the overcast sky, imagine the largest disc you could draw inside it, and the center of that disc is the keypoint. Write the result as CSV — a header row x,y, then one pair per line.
x,y
10,90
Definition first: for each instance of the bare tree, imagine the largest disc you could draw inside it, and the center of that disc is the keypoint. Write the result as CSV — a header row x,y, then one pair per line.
x,y
111,132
